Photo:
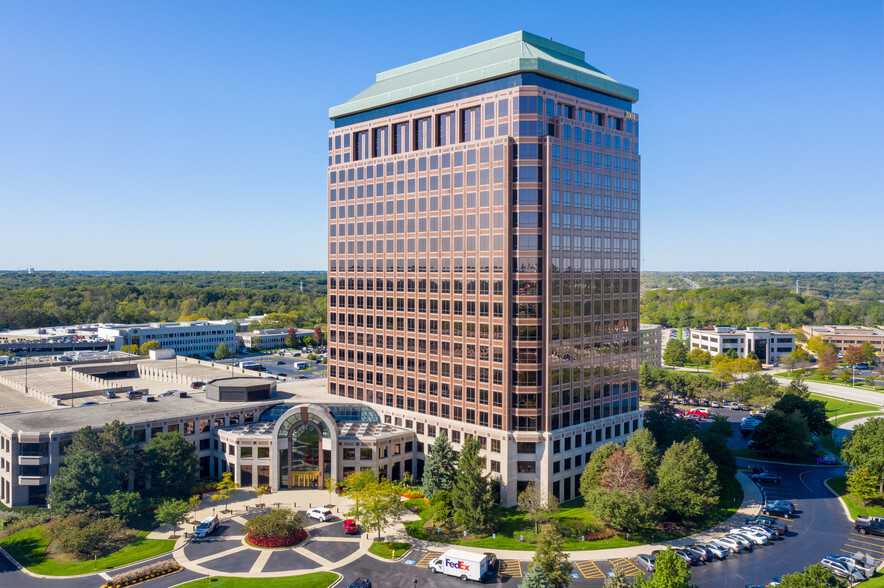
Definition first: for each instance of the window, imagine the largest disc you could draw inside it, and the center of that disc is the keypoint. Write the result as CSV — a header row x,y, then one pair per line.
x,y
472,124
400,138
423,133
446,129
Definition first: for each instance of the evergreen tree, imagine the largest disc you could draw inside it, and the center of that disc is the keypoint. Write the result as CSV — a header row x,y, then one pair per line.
x,y
862,484
674,354
595,468
550,558
535,578
643,443
687,481
173,464
439,468
81,482
471,496
865,448
617,579
646,379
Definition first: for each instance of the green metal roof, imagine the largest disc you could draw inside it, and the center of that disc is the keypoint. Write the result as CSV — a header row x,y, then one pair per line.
x,y
516,52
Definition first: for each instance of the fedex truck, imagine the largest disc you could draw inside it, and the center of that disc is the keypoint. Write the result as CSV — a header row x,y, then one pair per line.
x,y
462,564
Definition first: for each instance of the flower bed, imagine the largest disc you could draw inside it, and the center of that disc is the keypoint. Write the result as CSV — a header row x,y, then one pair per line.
x,y
143,574
276,540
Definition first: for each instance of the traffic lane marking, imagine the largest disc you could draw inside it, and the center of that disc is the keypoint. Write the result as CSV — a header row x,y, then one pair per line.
x,y
627,567
589,569
510,567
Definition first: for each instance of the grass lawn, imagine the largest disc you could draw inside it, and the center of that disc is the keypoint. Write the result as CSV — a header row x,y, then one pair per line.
x,y
28,547
839,407
388,549
513,523
315,580
833,379
839,485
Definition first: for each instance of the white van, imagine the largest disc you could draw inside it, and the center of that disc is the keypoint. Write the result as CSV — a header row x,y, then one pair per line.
x,y
207,525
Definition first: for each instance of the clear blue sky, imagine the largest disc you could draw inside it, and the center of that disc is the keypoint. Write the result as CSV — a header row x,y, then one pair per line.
x,y
192,135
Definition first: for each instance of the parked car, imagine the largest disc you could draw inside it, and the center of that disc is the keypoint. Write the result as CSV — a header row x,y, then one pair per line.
x,y
350,527
110,394
689,557
700,551
717,550
206,526
770,522
766,478
197,385
360,583
303,378
826,460
280,362
747,543
863,568
320,514
754,536
132,394
769,533
729,543
168,393
869,525
90,403
777,510
842,570
716,404
646,561
786,503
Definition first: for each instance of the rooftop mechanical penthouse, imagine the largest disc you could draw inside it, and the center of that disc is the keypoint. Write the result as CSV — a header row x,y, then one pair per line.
x,y
484,255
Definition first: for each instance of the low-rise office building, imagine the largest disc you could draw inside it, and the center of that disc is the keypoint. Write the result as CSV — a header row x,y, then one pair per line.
x,y
767,345
843,336
650,345
186,338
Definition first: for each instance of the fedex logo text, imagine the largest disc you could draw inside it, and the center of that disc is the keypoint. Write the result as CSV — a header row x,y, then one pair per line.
x,y
457,564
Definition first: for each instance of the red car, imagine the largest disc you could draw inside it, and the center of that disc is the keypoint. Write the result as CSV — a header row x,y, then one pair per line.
x,y
350,527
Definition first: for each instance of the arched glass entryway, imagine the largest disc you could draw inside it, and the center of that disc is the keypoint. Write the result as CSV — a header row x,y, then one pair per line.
x,y
303,463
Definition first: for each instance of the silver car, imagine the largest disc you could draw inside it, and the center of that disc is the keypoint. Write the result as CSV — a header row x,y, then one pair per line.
x,y
729,543
753,536
717,550
646,561
842,570
744,541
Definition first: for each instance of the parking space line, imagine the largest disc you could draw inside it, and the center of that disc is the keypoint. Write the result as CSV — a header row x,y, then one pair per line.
x,y
878,540
426,559
589,569
866,548
627,567
510,567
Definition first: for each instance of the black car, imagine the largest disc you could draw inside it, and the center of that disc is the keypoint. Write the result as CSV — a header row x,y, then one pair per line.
x,y
701,552
766,477
361,583
779,510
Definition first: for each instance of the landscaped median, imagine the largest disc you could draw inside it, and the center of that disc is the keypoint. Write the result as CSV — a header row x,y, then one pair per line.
x,y
389,549
313,580
31,548
854,506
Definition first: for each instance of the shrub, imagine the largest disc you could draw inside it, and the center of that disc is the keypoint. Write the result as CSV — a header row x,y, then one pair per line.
x,y
85,533
141,574
277,528
13,522
570,528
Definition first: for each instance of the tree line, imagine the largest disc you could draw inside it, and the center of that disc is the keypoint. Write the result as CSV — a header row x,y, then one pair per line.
x,y
753,307
41,300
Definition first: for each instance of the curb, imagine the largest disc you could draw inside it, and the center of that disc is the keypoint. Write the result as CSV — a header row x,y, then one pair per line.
x,y
840,500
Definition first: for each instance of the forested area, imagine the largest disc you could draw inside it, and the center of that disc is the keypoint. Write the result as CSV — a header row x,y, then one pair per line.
x,y
298,298
752,307
55,298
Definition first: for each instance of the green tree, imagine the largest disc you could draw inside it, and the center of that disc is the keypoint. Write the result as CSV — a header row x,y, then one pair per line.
x,y
862,484
132,349
278,523
536,506
628,512
550,558
646,379
687,481
674,353
354,484
81,482
816,344
666,426
85,533
595,468
797,387
379,505
125,505
226,488
118,450
222,351
148,346
815,576
440,504
814,411
864,448
535,578
757,386
670,571
783,434
471,496
642,442
172,463
716,447
172,512
868,353
439,469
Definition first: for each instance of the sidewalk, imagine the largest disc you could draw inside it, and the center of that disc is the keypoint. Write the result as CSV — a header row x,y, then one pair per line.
x,y
246,502
751,506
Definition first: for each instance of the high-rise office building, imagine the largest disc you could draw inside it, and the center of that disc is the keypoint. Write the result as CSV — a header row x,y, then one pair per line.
x,y
484,255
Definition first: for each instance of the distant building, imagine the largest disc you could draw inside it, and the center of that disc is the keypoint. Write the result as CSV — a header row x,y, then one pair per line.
x,y
268,338
842,336
186,338
768,345
650,345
